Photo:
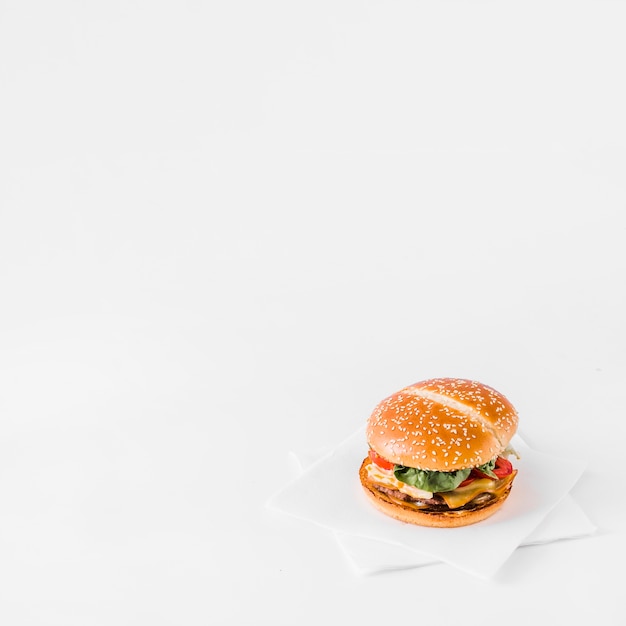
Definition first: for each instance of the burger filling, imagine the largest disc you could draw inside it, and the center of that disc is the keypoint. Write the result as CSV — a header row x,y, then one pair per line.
x,y
441,491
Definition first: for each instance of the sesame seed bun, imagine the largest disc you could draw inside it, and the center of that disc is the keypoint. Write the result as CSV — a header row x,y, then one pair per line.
x,y
442,424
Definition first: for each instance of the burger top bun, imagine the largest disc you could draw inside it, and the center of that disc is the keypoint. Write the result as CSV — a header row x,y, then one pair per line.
x,y
442,424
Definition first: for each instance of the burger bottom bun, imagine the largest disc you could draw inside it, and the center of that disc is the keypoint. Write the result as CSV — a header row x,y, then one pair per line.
x,y
435,519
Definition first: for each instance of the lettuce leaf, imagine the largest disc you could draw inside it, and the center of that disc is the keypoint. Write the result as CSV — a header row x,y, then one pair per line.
x,y
487,468
439,481
431,480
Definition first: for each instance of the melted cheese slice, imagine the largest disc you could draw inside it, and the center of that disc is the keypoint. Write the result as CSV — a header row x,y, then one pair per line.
x,y
462,495
387,479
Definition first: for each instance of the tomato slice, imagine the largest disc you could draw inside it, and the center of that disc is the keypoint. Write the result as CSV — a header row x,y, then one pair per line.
x,y
470,479
380,461
502,468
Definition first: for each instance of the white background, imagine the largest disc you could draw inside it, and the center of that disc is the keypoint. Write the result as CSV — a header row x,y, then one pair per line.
x,y
228,229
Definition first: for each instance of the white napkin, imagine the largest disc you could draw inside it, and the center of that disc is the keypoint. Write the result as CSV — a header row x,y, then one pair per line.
x,y
328,493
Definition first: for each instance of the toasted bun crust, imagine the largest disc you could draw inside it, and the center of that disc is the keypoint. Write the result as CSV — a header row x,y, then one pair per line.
x,y
442,424
435,519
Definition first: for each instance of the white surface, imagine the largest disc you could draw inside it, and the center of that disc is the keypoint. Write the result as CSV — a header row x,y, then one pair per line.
x,y
227,230
329,494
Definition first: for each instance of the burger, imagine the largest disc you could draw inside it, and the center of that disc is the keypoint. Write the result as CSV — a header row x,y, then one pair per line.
x,y
438,453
